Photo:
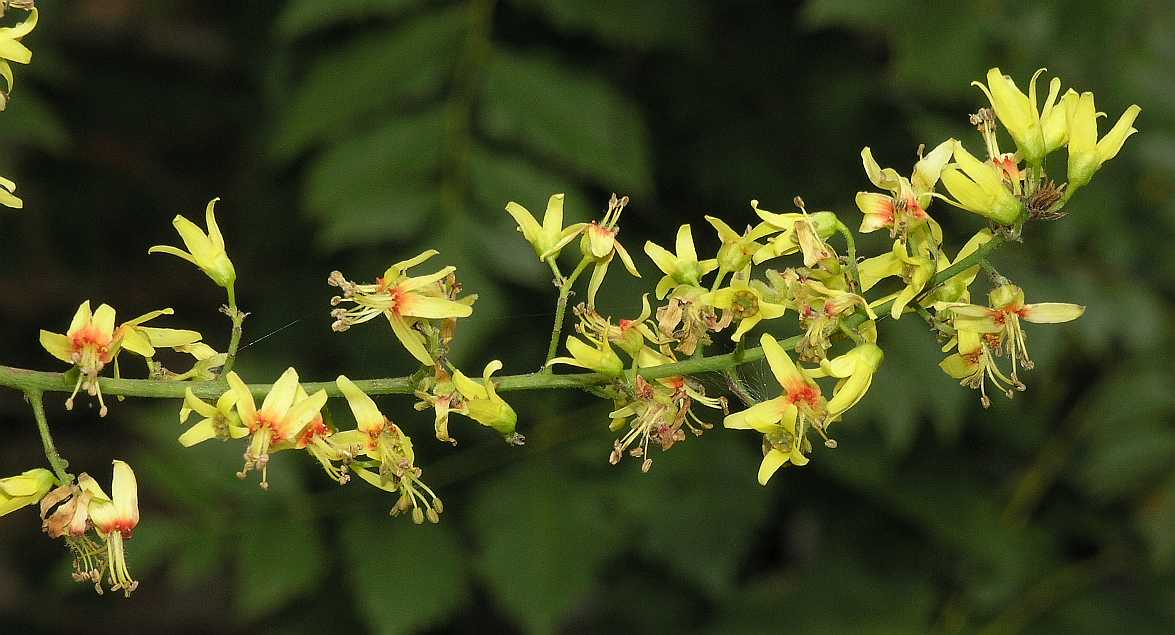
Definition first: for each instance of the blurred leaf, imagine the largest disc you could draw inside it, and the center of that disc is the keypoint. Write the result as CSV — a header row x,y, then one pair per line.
x,y
640,25
543,534
280,557
569,117
1156,520
379,185
300,17
404,577
701,525
838,595
29,121
366,75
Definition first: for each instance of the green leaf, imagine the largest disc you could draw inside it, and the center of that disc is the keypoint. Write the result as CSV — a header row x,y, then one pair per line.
x,y
543,534
300,17
404,577
569,117
700,526
370,74
279,559
627,25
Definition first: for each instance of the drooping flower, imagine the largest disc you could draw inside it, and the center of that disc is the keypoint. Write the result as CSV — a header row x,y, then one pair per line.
x,y
11,50
482,403
403,300
92,342
682,267
974,363
206,251
71,510
1086,152
978,187
27,488
599,244
115,518
549,238
1003,317
394,458
660,411
8,197
784,420
280,419
855,371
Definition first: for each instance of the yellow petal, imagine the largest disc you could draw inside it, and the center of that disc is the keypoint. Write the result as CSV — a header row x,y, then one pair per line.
x,y
246,407
782,367
1051,312
367,414
772,461
412,340
58,346
281,395
763,416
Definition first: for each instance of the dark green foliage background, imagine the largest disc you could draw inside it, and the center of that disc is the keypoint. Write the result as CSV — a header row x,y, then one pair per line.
x,y
351,133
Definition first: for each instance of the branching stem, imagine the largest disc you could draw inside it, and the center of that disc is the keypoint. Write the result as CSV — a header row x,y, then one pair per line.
x,y
55,461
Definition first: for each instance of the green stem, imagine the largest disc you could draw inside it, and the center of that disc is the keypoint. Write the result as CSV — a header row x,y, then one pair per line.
x,y
55,461
561,309
234,342
851,247
38,381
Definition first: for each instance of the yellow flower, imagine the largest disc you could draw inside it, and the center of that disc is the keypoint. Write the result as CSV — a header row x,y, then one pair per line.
x,y
737,250
403,300
599,245
978,187
8,196
1086,152
279,420
206,251
549,238
746,304
115,518
25,489
482,403
92,342
916,269
1003,317
783,420
1036,133
219,422
682,268
391,449
855,371
905,206
12,50
801,232
599,358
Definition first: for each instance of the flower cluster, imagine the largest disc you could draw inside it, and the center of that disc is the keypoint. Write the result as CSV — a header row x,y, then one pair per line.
x,y
95,526
825,289
646,366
